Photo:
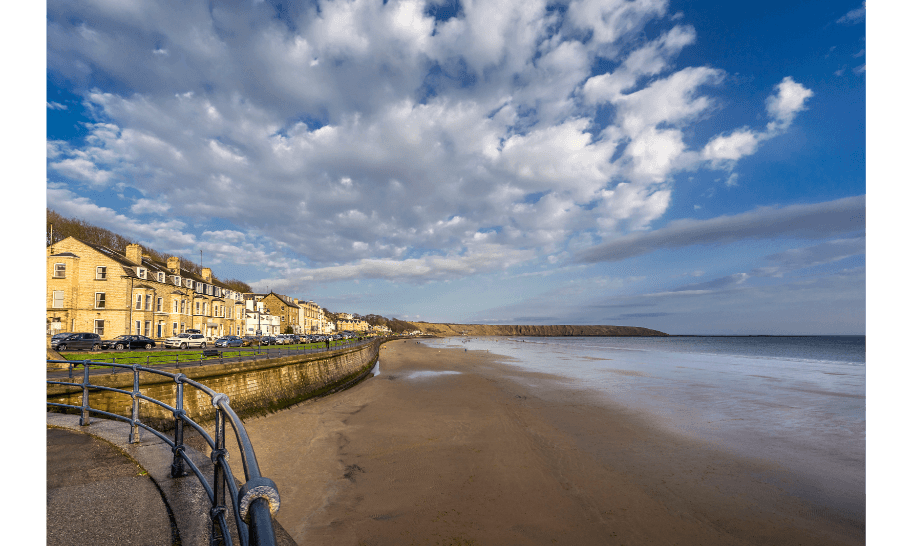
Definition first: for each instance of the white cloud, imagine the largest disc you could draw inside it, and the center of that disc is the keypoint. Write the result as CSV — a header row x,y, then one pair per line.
x,y
56,106
149,206
788,101
731,147
367,134
855,16
82,169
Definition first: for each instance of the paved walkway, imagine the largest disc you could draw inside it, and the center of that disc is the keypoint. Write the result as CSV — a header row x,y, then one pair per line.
x,y
96,495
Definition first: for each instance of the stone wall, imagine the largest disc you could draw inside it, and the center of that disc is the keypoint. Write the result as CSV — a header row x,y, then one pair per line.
x,y
253,388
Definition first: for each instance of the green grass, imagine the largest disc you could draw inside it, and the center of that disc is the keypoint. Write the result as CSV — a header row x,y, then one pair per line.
x,y
158,358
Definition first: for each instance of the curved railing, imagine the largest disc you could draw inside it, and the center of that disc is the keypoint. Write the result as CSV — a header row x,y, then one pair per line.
x,y
254,504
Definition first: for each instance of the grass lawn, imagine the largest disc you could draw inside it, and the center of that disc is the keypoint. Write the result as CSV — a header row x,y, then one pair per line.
x,y
153,358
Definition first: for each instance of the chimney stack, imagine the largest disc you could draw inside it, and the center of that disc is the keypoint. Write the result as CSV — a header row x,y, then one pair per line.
x,y
207,274
134,254
174,265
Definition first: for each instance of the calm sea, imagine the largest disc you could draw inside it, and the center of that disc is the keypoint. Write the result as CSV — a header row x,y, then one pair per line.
x,y
798,402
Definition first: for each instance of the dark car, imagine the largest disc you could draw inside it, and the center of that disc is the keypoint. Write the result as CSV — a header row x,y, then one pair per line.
x,y
268,340
77,340
229,341
120,343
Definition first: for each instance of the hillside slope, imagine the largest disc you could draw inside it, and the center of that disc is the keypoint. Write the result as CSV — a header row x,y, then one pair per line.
x,y
528,330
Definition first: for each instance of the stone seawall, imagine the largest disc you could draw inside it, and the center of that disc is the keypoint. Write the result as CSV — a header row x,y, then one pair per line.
x,y
252,387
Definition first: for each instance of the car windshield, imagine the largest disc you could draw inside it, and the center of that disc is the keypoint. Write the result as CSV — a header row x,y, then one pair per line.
x,y
183,335
122,338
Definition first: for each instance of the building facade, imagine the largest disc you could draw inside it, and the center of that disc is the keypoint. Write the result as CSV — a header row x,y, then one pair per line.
x,y
310,317
281,306
92,288
258,322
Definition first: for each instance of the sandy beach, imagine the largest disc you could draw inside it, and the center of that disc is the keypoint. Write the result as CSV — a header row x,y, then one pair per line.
x,y
453,447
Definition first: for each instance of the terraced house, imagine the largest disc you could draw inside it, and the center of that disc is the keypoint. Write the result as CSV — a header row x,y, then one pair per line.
x,y
284,307
92,288
310,317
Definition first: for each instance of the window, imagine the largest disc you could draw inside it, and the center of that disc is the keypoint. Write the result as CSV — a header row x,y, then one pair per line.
x,y
160,277
158,305
177,280
148,329
138,301
183,309
99,300
99,326
148,302
197,307
138,328
141,272
59,271
58,298
173,328
101,273
188,283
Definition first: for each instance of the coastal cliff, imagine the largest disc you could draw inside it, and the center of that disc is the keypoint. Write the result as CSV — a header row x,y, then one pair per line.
x,y
531,330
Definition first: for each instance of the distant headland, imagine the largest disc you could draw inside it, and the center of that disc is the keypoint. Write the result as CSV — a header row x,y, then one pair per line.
x,y
446,329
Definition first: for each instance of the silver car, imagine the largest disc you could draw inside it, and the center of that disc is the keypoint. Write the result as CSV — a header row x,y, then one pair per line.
x,y
185,340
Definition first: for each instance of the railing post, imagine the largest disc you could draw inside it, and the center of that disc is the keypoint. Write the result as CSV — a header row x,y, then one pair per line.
x,y
84,416
177,464
113,361
218,478
134,414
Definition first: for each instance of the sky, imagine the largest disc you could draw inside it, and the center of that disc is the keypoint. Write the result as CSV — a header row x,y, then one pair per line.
x,y
691,167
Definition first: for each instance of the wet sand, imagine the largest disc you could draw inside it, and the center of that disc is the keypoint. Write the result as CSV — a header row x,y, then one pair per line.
x,y
453,447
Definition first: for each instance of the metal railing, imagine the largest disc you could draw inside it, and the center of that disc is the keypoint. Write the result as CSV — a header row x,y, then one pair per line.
x,y
254,504
174,359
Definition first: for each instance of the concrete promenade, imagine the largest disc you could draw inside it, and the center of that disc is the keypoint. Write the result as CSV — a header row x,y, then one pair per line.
x,y
97,493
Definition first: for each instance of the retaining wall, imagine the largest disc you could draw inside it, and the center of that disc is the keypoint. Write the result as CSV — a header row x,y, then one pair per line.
x,y
255,387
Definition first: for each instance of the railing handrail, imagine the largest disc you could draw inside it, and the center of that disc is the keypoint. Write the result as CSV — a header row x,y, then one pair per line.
x,y
254,504
262,351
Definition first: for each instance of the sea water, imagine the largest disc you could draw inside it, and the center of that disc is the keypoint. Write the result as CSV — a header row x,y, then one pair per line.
x,y
796,402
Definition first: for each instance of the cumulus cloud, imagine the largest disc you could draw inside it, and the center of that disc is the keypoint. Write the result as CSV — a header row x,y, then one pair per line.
x,y
482,259
360,135
149,206
789,100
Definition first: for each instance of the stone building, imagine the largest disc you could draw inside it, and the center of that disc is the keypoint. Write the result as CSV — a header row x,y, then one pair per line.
x,y
258,321
92,288
310,317
351,324
281,306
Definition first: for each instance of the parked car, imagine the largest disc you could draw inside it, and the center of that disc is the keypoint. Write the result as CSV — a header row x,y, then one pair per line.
x,y
229,341
77,340
250,341
186,340
268,340
120,343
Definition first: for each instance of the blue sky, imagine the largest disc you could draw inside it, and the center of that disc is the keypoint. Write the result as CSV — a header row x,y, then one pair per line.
x,y
693,167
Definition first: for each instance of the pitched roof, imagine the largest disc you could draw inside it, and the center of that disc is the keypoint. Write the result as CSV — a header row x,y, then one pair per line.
x,y
151,265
